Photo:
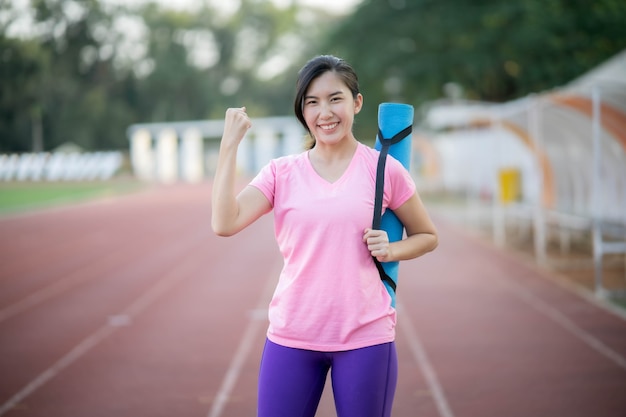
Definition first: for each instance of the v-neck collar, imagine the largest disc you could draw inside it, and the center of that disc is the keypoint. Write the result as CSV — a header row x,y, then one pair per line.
x,y
341,177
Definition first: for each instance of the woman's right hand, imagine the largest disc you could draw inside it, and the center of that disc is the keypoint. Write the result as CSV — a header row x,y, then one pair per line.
x,y
236,124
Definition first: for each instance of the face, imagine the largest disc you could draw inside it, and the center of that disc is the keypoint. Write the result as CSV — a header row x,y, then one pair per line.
x,y
329,109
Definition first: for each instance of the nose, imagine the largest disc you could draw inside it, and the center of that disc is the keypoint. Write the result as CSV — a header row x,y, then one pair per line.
x,y
325,111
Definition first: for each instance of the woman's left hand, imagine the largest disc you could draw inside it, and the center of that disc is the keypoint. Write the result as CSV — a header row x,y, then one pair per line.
x,y
378,244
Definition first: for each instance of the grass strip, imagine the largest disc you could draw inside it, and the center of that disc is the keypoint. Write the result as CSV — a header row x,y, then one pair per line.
x,y
24,196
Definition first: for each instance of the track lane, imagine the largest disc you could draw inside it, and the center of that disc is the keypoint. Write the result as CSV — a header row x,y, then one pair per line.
x,y
61,320
473,309
225,306
39,248
497,354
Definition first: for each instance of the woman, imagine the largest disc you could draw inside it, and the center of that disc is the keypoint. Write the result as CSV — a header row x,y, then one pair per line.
x,y
330,309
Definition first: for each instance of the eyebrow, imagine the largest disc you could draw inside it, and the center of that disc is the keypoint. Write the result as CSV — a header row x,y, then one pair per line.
x,y
330,95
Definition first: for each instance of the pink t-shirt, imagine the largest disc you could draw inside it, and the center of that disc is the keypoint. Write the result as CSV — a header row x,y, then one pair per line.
x,y
329,296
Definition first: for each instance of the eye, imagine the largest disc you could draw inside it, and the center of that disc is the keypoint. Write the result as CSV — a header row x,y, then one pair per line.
x,y
310,102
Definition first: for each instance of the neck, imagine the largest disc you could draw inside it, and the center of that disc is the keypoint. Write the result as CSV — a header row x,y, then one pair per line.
x,y
335,152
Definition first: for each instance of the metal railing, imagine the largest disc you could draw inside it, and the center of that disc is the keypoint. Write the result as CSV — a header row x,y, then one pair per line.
x,y
568,147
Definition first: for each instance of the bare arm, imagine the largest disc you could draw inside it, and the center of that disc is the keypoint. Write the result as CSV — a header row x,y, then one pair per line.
x,y
231,213
421,234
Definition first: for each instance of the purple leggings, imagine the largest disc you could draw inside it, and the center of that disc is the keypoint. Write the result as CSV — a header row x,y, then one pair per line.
x,y
291,381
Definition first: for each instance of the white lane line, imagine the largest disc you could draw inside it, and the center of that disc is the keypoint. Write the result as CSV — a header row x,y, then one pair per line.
x,y
84,274
562,320
69,358
250,335
182,270
234,369
419,354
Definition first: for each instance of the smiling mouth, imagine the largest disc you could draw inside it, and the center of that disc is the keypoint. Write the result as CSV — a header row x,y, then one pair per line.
x,y
328,127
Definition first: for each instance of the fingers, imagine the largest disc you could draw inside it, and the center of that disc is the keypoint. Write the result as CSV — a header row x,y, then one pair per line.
x,y
377,243
238,115
375,235
236,124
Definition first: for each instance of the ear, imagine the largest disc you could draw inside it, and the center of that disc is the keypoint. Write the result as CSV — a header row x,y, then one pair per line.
x,y
358,103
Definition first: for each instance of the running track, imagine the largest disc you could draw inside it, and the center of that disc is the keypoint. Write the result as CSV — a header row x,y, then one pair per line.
x,y
132,307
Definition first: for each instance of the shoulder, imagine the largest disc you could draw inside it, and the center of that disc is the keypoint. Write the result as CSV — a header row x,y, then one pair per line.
x,y
368,152
394,164
292,159
284,165
372,155
288,162
277,173
369,156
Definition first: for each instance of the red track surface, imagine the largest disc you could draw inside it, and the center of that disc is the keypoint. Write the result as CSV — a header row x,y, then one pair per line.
x,y
133,307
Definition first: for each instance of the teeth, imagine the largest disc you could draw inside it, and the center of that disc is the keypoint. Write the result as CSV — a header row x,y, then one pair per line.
x,y
329,127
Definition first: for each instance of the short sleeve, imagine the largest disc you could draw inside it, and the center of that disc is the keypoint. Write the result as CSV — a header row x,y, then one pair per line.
x,y
400,181
265,181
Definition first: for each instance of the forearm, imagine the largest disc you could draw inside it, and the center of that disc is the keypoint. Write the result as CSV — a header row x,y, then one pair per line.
x,y
412,247
223,199
421,233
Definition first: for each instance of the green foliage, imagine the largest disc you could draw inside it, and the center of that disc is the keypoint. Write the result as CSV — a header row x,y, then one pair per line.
x,y
494,50
22,69
85,70
78,76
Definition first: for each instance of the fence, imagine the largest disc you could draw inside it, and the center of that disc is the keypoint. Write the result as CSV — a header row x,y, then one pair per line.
x,y
567,148
60,166
187,151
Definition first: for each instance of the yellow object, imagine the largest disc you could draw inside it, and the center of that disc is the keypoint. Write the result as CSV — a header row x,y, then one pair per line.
x,y
510,185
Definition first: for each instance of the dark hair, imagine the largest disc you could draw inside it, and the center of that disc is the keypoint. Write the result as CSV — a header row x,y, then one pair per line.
x,y
315,68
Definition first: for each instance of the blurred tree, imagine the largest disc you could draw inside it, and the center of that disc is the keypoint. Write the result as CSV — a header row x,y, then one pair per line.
x,y
22,69
490,50
76,103
85,70
205,61
60,78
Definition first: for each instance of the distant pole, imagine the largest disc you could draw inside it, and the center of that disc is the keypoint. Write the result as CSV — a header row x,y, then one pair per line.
x,y
497,208
539,225
596,204
142,155
167,156
192,153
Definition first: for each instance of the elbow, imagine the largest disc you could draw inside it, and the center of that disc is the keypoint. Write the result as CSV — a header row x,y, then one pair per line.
x,y
430,241
220,229
222,233
434,242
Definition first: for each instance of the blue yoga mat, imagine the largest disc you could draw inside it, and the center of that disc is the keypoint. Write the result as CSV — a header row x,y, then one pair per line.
x,y
393,118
